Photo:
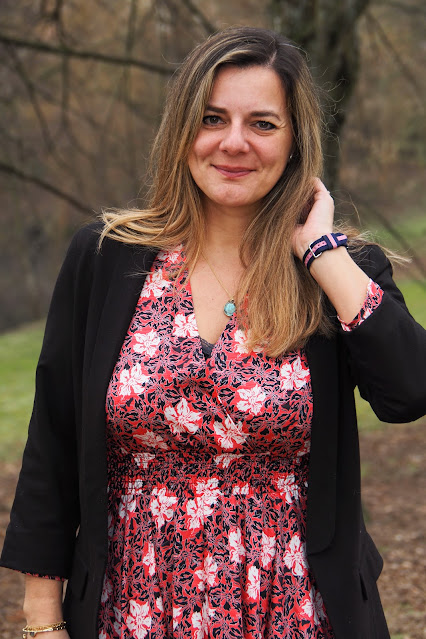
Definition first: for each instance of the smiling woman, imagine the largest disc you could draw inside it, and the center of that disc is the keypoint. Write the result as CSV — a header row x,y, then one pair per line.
x,y
192,463
244,142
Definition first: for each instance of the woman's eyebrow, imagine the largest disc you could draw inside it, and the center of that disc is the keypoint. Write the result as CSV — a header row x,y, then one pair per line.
x,y
255,114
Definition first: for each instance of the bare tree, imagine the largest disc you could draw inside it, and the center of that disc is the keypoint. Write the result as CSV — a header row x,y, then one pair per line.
x,y
328,32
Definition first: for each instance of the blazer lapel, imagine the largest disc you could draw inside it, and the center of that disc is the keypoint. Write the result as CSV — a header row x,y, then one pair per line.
x,y
121,296
321,508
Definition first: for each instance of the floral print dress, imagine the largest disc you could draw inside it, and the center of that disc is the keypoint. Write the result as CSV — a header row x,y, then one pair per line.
x,y
208,471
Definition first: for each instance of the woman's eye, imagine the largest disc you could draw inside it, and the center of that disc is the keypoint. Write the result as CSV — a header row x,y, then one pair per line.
x,y
211,120
265,126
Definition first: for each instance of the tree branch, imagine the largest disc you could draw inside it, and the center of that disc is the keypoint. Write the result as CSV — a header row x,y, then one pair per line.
x,y
208,26
411,79
32,94
42,184
393,232
63,50
402,6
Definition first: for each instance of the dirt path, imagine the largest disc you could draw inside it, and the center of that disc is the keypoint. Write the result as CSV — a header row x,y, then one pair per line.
x,y
394,500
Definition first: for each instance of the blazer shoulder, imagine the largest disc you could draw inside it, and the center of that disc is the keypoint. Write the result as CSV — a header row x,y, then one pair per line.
x,y
85,248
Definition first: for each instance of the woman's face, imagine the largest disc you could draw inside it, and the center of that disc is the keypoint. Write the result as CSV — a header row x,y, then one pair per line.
x,y
245,139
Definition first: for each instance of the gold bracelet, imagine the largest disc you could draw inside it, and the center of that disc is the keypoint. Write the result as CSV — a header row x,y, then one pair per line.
x,y
32,631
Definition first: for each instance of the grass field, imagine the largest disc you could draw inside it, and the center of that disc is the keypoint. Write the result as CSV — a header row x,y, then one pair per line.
x,y
19,351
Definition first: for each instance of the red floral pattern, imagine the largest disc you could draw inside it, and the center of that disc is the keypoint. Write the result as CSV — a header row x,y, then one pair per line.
x,y
371,302
208,468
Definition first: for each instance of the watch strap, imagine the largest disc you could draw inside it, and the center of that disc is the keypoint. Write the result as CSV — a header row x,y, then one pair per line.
x,y
324,243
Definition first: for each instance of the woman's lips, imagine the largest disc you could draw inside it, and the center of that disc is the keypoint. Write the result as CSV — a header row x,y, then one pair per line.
x,y
232,171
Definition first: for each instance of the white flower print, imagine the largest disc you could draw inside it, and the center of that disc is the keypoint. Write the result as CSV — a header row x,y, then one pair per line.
x,y
305,448
102,635
224,460
159,603
106,590
268,549
171,256
148,438
139,619
147,343
136,486
293,376
240,343
118,620
241,488
182,419
313,606
177,616
207,575
236,547
185,325
253,583
295,557
127,505
251,398
162,506
111,526
142,459
288,488
201,507
155,284
201,621
148,558
197,510
200,624
208,490
229,433
132,381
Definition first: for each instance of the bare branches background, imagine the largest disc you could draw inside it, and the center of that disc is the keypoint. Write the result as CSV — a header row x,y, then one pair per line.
x,y
82,87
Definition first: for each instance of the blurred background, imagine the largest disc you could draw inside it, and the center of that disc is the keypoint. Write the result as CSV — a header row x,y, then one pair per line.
x,y
82,87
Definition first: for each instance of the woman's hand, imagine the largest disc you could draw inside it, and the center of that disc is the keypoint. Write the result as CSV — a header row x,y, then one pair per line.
x,y
344,283
319,221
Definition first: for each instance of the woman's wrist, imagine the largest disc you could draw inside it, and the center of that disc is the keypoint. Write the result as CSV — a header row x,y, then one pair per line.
x,y
42,601
40,611
326,242
303,243
341,279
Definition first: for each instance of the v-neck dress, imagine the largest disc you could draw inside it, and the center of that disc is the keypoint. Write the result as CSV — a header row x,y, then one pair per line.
x,y
207,480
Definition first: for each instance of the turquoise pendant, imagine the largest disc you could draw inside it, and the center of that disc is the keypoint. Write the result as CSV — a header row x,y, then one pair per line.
x,y
229,308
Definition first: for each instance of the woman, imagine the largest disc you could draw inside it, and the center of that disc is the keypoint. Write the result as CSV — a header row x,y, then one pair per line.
x,y
192,464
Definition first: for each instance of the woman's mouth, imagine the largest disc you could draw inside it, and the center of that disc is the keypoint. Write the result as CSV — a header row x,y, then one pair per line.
x,y
232,171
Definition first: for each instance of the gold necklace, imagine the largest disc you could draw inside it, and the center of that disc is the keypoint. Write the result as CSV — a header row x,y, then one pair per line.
x,y
229,308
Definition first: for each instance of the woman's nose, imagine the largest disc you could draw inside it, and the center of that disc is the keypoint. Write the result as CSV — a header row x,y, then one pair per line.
x,y
234,139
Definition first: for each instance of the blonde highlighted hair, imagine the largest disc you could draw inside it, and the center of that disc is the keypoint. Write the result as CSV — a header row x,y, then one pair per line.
x,y
285,304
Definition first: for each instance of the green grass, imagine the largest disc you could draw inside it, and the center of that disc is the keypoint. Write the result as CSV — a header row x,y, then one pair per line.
x,y
19,352
411,226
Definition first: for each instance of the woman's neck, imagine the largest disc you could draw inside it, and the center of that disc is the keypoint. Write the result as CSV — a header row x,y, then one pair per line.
x,y
224,231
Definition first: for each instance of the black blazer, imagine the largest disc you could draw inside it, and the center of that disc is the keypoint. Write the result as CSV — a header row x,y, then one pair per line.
x,y
62,485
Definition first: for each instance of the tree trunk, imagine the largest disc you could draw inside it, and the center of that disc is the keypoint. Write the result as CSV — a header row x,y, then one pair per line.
x,y
328,31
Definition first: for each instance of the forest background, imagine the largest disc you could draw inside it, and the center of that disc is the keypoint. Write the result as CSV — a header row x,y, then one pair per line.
x,y
82,88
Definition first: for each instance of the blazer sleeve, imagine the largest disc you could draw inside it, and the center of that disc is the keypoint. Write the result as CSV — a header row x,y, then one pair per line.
x,y
387,351
45,514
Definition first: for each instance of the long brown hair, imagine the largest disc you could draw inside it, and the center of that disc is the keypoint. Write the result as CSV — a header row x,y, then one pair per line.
x,y
284,303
